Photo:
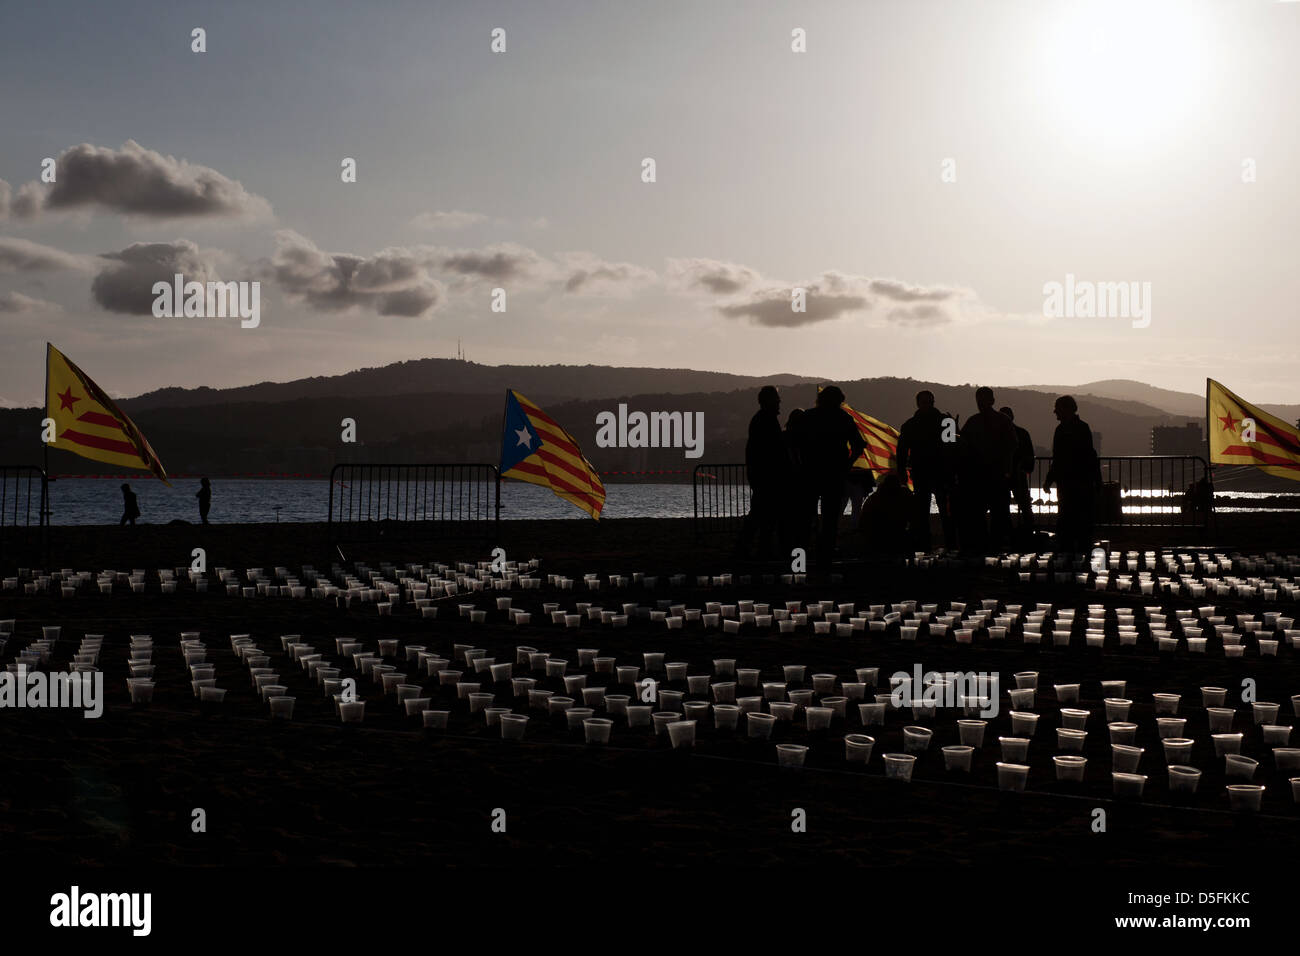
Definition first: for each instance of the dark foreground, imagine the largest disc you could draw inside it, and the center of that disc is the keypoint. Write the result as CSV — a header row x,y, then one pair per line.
x,y
121,790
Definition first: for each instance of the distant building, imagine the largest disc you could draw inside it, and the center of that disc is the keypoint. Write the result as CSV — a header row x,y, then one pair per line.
x,y
1177,439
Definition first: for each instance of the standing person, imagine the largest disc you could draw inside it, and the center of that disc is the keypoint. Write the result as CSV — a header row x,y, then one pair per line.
x,y
130,507
832,444
801,499
767,466
921,447
1024,467
992,441
204,494
1076,470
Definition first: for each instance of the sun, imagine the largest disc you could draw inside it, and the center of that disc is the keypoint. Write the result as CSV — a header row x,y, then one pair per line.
x,y
1125,74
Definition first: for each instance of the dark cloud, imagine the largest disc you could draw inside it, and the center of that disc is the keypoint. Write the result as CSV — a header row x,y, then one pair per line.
x,y
772,307
587,273
901,292
20,255
394,281
719,278
497,263
24,205
126,284
16,302
139,182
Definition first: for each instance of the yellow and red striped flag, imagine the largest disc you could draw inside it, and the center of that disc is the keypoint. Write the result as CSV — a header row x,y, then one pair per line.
x,y
881,456
1243,434
88,423
534,448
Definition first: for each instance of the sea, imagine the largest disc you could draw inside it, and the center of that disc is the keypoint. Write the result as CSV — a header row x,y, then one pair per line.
x,y
96,501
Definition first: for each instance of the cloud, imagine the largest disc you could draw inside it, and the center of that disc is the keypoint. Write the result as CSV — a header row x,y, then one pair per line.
x,y
20,255
394,281
16,302
137,182
24,205
496,262
586,273
710,275
454,219
126,285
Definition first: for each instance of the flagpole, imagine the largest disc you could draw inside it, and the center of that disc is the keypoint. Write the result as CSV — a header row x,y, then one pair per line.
x,y
505,408
45,446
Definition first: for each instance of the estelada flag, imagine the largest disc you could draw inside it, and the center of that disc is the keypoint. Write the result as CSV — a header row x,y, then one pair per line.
x,y
881,456
534,448
1274,446
88,423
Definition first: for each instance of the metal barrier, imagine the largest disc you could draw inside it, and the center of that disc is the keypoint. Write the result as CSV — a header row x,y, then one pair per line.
x,y
464,496
1145,491
721,495
24,515
1156,491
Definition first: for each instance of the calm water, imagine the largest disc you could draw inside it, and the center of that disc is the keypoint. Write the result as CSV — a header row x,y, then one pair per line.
x,y
98,501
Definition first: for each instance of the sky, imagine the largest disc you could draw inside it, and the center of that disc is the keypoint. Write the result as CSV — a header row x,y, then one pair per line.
x,y
922,169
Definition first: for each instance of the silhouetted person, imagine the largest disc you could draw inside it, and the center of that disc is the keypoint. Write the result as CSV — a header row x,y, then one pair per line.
x,y
990,459
922,449
858,486
1076,471
831,445
801,501
768,466
1023,468
130,507
885,516
204,494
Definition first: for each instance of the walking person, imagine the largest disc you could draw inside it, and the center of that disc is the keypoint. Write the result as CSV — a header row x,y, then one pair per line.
x,y
1076,471
130,507
204,494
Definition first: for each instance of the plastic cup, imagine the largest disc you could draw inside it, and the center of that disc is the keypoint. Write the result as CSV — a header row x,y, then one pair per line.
x,y
1070,741
597,729
857,748
818,718
1074,718
1012,776
662,719
783,709
1117,709
1122,732
1023,724
1245,796
971,732
1166,703
725,716
1275,735
1286,758
681,734
1183,779
436,719
512,725
1264,713
557,705
281,707
916,739
791,756
1220,719
1239,767
1066,693
1225,744
639,715
1128,785
759,726
957,757
352,711
1070,768
1125,758
1178,751
899,766
1014,749
1170,726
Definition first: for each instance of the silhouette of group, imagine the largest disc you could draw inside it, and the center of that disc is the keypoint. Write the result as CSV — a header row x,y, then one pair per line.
x,y
802,476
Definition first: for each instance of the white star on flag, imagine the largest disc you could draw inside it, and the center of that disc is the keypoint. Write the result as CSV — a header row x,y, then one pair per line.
x,y
525,438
